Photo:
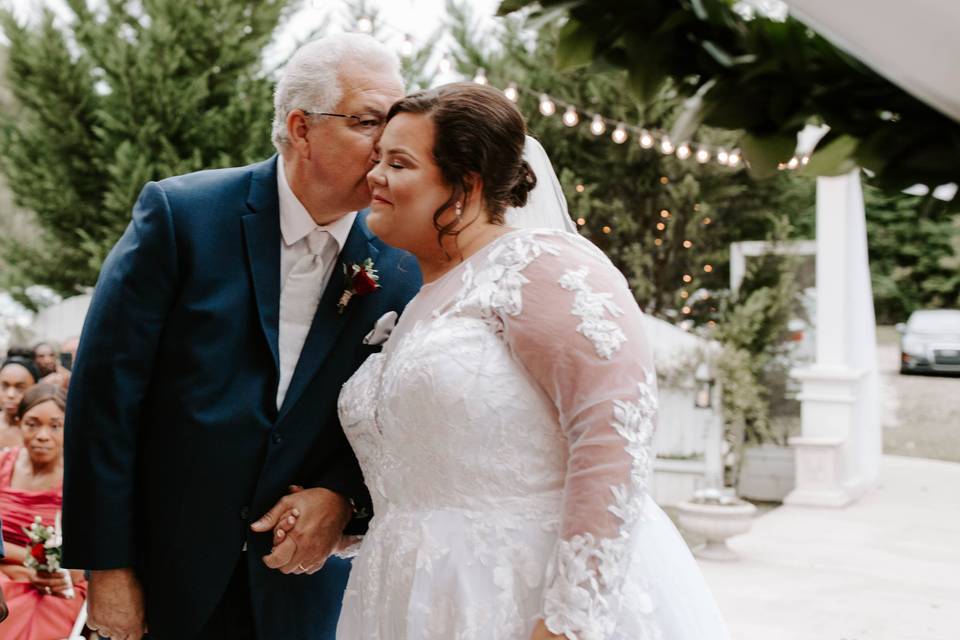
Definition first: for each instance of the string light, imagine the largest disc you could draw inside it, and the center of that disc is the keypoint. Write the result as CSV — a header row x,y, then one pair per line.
x,y
664,213
703,156
687,277
511,92
661,226
687,310
580,188
804,160
683,151
707,221
664,180
666,147
547,106
646,140
406,48
606,229
687,244
619,134
793,163
581,221
365,25
723,157
597,125
708,268
481,76
658,242
734,159
571,117
684,294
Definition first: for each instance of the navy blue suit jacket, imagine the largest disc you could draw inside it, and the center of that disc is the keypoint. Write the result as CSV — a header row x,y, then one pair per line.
x,y
174,443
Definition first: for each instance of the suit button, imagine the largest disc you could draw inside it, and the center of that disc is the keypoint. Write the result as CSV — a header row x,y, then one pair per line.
x,y
277,438
244,513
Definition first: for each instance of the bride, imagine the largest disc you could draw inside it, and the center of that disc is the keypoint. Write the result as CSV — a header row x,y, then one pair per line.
x,y
505,430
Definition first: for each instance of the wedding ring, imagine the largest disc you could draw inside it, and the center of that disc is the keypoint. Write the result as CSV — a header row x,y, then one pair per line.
x,y
48,591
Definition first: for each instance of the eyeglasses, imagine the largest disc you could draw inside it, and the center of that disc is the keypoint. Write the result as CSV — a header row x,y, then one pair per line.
x,y
368,123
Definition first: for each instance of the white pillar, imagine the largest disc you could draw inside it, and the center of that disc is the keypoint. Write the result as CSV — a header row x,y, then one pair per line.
x,y
838,453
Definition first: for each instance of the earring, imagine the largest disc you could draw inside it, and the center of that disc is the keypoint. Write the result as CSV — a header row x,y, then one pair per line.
x,y
459,209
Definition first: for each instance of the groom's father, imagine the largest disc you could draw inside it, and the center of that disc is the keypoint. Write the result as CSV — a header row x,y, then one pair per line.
x,y
209,368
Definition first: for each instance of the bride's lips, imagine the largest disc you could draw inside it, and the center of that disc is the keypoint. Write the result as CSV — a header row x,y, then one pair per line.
x,y
379,198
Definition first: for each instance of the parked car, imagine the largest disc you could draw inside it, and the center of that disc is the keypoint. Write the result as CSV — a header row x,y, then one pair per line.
x,y
930,342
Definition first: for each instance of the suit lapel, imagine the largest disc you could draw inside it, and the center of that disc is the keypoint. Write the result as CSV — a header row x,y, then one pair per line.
x,y
261,230
328,322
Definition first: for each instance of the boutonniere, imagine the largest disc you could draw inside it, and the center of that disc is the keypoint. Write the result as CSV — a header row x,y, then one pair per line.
x,y
359,280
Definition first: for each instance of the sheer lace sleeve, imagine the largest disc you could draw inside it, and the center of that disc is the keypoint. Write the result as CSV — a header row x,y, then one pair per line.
x,y
578,333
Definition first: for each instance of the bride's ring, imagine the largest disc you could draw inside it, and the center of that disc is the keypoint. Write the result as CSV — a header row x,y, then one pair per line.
x,y
48,591
302,568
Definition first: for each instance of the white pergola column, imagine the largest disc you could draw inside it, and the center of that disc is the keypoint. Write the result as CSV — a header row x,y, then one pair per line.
x,y
838,453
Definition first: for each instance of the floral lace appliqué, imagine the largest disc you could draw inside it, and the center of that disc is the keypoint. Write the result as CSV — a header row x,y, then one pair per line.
x,y
606,335
589,573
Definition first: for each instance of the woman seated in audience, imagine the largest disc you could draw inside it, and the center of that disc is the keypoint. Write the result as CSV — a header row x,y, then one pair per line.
x,y
31,479
17,374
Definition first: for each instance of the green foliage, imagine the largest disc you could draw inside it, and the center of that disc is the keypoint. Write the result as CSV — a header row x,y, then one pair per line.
x,y
765,78
914,253
122,93
624,188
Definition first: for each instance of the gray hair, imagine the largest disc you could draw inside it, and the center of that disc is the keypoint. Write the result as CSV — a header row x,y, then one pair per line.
x,y
311,79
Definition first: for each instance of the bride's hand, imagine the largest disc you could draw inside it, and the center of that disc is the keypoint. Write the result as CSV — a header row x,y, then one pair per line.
x,y
540,632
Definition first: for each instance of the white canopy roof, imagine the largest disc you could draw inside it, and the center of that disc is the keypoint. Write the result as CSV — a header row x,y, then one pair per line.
x,y
914,43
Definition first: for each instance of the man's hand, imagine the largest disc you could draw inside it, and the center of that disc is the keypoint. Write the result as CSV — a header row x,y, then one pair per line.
x,y
115,605
320,516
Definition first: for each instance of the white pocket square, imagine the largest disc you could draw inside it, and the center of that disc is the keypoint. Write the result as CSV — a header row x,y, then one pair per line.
x,y
382,329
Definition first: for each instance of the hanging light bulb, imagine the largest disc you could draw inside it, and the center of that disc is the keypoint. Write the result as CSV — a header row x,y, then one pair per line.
x,y
703,156
547,107
570,117
365,25
597,125
406,47
723,157
481,76
734,159
619,134
793,163
666,147
511,92
683,151
646,140
445,64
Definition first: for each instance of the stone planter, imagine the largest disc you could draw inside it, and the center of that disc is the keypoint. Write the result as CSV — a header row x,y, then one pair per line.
x,y
768,473
716,523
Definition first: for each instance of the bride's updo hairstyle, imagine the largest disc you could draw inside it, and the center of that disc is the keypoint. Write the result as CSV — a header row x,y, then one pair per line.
x,y
478,132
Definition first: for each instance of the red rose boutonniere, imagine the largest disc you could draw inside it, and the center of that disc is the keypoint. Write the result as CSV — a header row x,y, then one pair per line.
x,y
360,280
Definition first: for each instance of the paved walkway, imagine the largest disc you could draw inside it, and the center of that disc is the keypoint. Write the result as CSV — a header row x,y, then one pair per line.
x,y
885,568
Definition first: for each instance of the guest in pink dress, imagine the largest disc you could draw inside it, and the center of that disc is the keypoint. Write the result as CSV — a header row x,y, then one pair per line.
x,y
31,479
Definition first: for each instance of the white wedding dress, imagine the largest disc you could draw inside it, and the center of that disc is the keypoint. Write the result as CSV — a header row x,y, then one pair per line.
x,y
505,435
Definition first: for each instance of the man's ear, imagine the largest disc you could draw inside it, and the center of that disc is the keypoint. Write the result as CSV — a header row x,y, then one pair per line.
x,y
297,128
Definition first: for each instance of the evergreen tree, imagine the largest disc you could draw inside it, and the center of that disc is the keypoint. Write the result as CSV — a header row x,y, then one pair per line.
x,y
119,94
914,253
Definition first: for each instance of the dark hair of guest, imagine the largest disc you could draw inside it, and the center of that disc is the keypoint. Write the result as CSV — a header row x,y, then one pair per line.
x,y
40,393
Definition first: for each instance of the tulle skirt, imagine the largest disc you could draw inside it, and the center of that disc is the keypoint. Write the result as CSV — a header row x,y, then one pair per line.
x,y
457,574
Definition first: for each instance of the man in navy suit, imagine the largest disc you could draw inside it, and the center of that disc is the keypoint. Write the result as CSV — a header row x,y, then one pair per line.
x,y
209,369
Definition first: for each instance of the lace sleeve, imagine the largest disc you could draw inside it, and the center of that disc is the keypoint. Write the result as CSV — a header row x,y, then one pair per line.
x,y
579,334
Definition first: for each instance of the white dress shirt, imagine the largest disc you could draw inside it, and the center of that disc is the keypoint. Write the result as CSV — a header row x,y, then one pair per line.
x,y
295,225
